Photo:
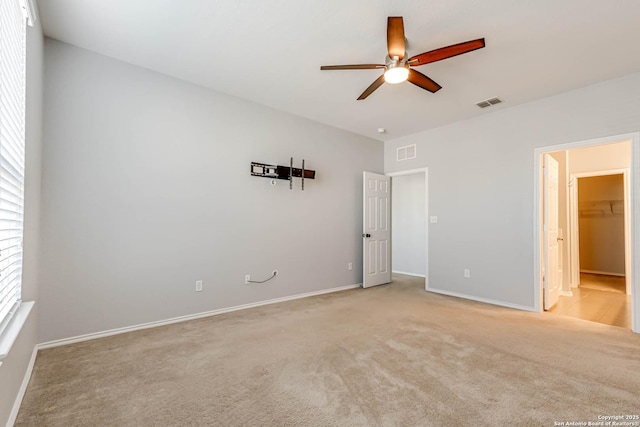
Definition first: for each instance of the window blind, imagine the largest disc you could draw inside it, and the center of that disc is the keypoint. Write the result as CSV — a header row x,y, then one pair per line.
x,y
12,147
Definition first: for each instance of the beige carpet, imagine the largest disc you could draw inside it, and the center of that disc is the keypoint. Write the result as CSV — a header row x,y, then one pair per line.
x,y
386,356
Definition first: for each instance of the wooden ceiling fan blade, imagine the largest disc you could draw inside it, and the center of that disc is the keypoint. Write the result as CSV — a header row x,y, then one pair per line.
x,y
446,52
419,79
352,67
395,37
375,85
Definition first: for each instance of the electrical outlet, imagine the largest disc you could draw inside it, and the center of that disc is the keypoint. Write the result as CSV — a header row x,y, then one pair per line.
x,y
350,266
247,277
467,273
198,285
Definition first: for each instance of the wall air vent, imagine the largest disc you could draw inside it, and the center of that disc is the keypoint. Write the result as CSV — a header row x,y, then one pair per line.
x,y
405,153
488,102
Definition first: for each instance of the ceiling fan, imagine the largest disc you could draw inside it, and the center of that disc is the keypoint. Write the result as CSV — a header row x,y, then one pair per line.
x,y
397,68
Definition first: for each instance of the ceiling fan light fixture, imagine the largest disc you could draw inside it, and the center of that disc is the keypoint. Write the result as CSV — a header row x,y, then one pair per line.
x,y
396,73
399,67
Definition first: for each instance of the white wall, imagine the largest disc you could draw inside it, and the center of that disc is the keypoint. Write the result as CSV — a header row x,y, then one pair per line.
x,y
408,224
600,158
14,366
146,189
481,184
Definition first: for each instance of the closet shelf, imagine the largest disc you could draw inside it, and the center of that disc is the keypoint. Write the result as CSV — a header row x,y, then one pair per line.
x,y
601,208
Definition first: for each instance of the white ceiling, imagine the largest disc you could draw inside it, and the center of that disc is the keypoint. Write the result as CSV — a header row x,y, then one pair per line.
x,y
270,51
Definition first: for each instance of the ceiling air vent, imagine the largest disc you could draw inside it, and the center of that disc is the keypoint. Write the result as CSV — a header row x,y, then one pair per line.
x,y
489,102
407,152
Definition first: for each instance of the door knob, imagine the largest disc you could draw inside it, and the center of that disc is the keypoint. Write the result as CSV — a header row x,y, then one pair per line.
x,y
366,235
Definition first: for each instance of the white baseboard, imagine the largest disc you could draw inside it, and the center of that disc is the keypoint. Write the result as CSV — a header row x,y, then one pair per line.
x,y
479,299
110,332
605,273
406,273
566,293
23,388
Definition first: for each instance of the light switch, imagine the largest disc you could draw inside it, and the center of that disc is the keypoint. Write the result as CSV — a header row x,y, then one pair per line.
x,y
433,219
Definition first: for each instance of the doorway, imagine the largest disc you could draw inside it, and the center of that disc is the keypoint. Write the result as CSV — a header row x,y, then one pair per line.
x,y
599,290
599,209
597,194
409,224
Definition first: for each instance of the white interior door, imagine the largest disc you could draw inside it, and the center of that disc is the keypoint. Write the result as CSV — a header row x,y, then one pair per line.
x,y
551,254
376,234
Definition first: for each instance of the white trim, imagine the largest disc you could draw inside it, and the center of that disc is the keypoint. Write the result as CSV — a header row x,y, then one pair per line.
x,y
627,231
600,173
604,273
29,10
574,235
407,172
538,232
117,331
23,388
634,214
425,171
566,234
406,273
484,300
10,334
614,139
634,218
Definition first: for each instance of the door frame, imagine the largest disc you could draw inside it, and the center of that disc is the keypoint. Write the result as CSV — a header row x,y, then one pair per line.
x,y
551,236
574,253
634,215
426,214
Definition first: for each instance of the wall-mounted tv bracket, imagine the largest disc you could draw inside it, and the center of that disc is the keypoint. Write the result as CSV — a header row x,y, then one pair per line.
x,y
282,172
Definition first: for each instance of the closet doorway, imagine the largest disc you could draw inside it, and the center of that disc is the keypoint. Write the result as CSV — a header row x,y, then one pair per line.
x,y
600,257
591,262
